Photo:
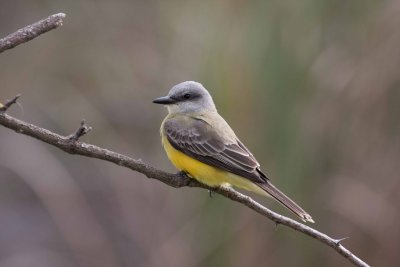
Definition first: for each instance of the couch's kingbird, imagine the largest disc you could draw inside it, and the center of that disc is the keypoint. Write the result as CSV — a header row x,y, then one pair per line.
x,y
199,142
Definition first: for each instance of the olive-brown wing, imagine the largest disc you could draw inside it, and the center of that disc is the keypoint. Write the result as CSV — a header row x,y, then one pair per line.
x,y
197,139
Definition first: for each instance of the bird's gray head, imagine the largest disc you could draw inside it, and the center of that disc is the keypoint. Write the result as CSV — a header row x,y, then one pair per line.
x,y
187,97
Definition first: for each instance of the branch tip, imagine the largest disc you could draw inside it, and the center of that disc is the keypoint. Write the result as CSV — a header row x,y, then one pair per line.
x,y
9,103
81,131
58,18
60,15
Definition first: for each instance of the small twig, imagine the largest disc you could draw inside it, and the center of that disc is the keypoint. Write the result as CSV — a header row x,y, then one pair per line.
x,y
175,180
9,103
81,131
29,32
338,241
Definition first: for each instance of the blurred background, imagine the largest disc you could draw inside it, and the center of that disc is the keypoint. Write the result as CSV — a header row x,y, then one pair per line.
x,y
311,87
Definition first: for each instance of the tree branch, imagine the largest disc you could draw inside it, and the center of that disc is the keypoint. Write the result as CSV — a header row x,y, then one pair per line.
x,y
31,31
72,145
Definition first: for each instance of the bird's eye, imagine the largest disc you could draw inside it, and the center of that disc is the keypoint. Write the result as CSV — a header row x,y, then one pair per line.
x,y
186,96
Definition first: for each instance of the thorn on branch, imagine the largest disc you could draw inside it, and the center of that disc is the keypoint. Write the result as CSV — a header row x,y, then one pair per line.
x,y
337,241
81,131
9,103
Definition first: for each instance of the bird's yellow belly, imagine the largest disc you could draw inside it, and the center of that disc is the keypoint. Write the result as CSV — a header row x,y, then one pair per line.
x,y
207,174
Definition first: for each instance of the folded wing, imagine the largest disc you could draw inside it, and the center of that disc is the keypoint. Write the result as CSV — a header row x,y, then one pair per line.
x,y
196,138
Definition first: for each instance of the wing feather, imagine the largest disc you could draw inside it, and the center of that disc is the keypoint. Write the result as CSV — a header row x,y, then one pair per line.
x,y
196,138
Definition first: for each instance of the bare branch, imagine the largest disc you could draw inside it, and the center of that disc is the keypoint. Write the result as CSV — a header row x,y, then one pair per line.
x,y
31,31
175,180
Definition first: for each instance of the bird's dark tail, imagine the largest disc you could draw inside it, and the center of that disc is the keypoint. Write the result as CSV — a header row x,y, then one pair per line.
x,y
284,200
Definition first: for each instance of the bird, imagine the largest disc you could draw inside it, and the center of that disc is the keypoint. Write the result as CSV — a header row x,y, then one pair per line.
x,y
201,144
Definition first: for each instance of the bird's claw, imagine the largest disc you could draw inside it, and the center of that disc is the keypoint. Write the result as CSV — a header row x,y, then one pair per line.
x,y
182,174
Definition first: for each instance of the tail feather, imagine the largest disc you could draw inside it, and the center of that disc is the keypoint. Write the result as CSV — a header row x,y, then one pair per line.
x,y
285,200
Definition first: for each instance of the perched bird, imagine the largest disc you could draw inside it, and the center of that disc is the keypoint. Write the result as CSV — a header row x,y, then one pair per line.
x,y
199,142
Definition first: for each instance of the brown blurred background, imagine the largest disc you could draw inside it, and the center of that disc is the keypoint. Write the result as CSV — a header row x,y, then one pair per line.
x,y
311,87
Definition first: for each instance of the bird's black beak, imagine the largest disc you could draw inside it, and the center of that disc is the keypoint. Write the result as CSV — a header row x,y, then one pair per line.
x,y
165,100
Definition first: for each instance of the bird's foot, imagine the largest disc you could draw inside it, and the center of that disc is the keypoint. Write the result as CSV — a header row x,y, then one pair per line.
x,y
183,174
185,179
